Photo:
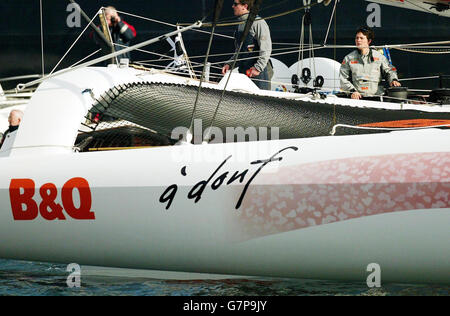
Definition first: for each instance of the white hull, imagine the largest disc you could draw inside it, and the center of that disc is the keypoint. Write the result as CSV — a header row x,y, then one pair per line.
x,y
133,229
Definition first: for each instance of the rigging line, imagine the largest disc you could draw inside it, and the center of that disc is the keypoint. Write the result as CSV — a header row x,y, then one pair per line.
x,y
250,20
331,21
289,44
266,18
22,86
164,57
277,3
147,62
170,24
163,69
151,64
145,18
411,50
80,61
42,39
278,54
214,55
427,46
393,46
413,44
73,44
419,78
201,65
301,45
246,58
218,7
334,57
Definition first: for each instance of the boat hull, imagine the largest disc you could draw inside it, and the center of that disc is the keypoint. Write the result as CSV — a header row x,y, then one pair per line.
x,y
135,220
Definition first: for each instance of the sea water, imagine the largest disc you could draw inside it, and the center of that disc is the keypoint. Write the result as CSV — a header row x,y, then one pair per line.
x,y
49,279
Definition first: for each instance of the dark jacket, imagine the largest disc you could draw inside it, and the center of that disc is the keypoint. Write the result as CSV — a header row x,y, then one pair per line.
x,y
122,34
5,134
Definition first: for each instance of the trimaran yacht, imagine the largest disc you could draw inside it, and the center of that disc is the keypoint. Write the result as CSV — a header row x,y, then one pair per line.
x,y
221,177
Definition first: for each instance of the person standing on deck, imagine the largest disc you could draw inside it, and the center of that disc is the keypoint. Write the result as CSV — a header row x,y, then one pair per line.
x,y
121,32
362,70
256,48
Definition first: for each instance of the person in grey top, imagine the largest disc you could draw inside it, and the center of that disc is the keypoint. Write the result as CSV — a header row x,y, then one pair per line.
x,y
254,57
362,70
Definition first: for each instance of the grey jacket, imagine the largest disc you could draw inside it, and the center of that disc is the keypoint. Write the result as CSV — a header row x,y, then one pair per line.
x,y
261,32
364,73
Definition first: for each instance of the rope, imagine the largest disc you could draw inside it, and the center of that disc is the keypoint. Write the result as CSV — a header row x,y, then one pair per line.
x,y
414,50
22,86
266,18
172,25
248,23
220,55
42,40
80,61
218,6
419,78
334,57
70,48
329,24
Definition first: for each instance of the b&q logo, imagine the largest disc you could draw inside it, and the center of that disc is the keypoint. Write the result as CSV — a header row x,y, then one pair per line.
x,y
25,206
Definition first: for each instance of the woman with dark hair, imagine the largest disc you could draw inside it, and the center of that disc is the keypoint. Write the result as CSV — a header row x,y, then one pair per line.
x,y
362,70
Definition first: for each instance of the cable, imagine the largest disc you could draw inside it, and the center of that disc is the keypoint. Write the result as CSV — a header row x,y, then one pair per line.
x,y
250,20
70,48
218,8
42,40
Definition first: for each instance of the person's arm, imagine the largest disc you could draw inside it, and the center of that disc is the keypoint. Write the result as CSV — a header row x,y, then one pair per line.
x,y
262,35
126,31
345,76
227,65
389,73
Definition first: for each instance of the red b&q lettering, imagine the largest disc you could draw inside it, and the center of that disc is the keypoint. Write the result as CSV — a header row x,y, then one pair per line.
x,y
84,211
18,199
24,207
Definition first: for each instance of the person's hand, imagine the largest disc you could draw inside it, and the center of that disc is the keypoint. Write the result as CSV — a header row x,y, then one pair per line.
x,y
356,95
395,83
253,72
117,18
225,69
113,18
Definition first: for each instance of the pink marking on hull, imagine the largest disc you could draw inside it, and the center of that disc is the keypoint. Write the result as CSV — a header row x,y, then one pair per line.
x,y
332,191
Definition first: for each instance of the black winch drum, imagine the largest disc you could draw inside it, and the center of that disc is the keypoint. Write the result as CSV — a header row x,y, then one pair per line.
x,y
441,95
398,94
